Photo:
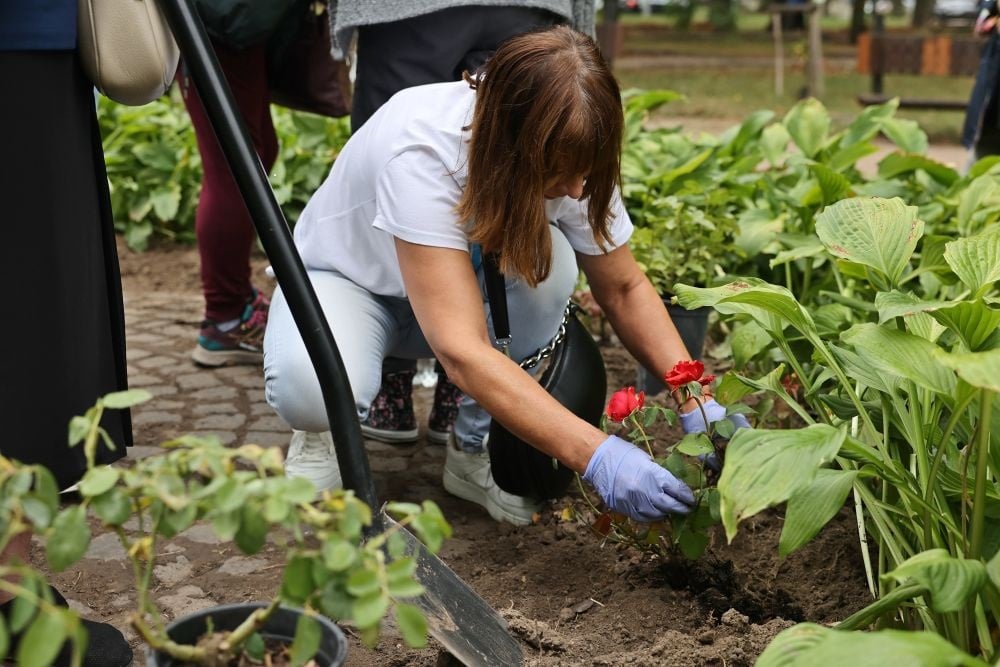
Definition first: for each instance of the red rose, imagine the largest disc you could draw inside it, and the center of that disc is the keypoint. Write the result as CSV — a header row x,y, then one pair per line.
x,y
687,371
624,402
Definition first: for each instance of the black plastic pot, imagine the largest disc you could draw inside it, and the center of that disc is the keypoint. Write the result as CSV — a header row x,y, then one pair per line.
x,y
281,625
692,325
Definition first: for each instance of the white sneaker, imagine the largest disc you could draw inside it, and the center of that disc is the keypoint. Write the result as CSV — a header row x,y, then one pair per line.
x,y
311,455
468,476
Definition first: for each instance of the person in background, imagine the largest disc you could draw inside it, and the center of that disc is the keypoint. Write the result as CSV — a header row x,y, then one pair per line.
x,y
399,44
981,131
520,161
59,260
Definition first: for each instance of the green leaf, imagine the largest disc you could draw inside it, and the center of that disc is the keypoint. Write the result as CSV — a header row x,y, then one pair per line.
x,y
879,233
895,304
405,588
897,353
812,645
37,512
4,638
992,570
68,538
771,306
773,142
79,427
848,156
980,369
43,640
976,259
306,641
97,481
951,581
338,555
975,323
113,507
867,123
765,468
126,399
252,533
978,204
906,134
362,582
730,389
896,164
812,507
412,625
297,583
369,609
808,123
254,647
695,444
833,185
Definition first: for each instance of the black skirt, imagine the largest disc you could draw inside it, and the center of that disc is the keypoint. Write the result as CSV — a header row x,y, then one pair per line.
x,y
62,338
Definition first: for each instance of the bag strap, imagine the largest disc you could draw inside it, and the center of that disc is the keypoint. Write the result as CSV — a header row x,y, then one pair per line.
x,y
496,293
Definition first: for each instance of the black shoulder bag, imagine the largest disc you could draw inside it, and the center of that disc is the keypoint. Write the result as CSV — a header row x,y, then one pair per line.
x,y
575,377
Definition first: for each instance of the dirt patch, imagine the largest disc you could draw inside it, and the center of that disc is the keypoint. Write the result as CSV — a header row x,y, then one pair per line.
x,y
570,598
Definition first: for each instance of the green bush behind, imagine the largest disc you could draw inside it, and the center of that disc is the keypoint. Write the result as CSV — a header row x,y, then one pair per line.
x,y
155,174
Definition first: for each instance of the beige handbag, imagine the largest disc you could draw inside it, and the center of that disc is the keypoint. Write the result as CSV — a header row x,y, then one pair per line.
x,y
126,49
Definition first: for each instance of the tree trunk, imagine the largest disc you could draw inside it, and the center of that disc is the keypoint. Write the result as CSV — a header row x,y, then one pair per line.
x,y
922,11
857,20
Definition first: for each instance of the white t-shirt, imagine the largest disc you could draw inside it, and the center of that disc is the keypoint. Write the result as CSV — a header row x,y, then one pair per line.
x,y
401,176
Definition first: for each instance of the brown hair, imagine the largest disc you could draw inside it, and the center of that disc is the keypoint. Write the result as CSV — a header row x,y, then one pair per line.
x,y
547,107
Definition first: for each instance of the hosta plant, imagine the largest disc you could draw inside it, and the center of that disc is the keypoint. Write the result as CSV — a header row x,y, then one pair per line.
x,y
242,493
900,405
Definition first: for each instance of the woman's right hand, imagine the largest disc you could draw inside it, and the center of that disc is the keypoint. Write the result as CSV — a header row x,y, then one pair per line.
x,y
630,482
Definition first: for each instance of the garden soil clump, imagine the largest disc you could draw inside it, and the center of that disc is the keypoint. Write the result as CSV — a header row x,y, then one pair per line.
x,y
571,599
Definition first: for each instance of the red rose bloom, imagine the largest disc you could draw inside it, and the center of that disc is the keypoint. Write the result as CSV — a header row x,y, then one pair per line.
x,y
687,371
624,402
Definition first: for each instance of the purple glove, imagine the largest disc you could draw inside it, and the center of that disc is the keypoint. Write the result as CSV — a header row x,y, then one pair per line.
x,y
631,483
694,422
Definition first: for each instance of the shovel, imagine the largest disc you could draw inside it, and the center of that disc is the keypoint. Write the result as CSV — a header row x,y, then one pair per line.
x,y
456,616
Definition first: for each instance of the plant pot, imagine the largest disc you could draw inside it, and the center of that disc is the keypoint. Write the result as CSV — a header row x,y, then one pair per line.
x,y
281,625
692,325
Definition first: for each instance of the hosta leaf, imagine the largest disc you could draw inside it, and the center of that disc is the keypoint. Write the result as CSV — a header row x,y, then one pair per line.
x,y
765,468
974,322
978,204
896,164
810,509
906,134
833,185
749,128
773,141
980,369
808,123
951,581
848,156
771,306
895,304
748,340
897,353
867,123
879,233
976,259
811,645
758,228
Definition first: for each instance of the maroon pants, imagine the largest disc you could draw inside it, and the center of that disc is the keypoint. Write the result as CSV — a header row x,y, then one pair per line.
x,y
222,223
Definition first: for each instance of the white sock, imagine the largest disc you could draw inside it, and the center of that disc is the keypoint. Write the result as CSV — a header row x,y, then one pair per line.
x,y
228,326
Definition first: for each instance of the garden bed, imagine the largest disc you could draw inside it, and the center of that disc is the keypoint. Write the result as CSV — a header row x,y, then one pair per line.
x,y
569,598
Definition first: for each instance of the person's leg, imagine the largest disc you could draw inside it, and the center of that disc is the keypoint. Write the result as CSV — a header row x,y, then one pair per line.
x,y
291,385
235,313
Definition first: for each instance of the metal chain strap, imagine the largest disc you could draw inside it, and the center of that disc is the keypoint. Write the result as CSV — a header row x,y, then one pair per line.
x,y
546,350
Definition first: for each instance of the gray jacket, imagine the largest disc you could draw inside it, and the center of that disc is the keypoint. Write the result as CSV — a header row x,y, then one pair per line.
x,y
347,15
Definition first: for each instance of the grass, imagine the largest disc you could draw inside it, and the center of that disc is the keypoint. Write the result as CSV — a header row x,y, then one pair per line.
x,y
725,91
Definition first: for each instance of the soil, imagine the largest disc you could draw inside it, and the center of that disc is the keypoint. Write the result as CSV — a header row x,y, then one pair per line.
x,y
569,598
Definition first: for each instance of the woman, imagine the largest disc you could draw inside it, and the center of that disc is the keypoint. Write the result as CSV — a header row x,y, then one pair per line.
x,y
58,255
521,161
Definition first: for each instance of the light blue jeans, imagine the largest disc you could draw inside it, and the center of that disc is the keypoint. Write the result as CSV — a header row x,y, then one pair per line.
x,y
368,327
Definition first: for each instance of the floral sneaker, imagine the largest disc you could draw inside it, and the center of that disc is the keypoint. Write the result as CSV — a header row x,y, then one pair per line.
x,y
390,416
242,344
444,410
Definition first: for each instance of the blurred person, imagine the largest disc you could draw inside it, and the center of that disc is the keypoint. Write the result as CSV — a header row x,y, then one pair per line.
x,y
60,261
981,131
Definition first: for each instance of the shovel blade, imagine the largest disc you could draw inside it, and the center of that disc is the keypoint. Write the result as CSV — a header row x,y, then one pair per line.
x,y
456,616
